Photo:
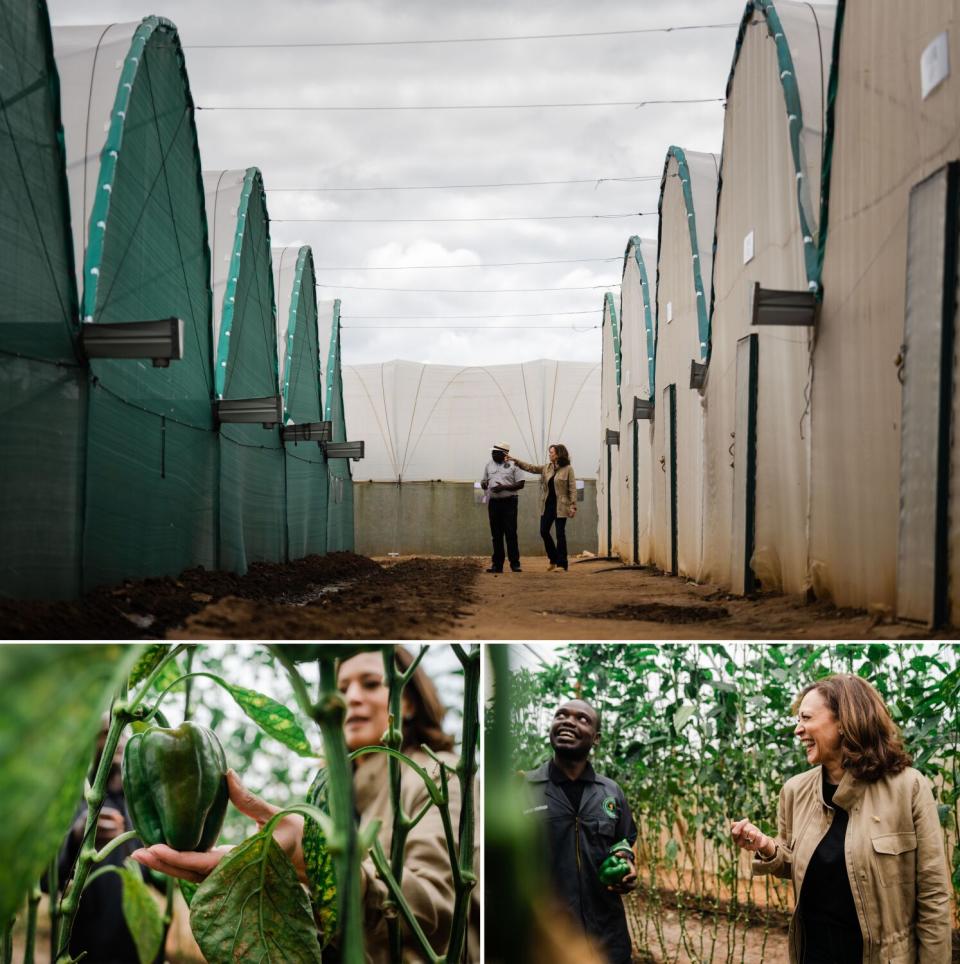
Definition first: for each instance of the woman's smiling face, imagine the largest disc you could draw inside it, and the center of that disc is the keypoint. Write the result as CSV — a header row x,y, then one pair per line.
x,y
360,680
818,730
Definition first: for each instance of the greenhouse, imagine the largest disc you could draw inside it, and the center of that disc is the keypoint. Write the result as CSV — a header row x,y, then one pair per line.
x,y
757,459
429,430
141,255
43,385
687,207
637,334
613,534
885,532
252,496
300,383
341,527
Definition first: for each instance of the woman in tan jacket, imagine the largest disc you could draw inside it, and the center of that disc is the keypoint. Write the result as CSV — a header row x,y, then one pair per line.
x,y
427,882
859,836
558,502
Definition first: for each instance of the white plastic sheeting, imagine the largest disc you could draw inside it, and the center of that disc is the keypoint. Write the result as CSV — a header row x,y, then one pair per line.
x,y
765,232
687,212
638,308
439,422
284,276
887,139
223,191
90,60
613,535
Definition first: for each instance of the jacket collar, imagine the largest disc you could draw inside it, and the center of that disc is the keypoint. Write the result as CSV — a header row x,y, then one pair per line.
x,y
542,773
369,779
849,791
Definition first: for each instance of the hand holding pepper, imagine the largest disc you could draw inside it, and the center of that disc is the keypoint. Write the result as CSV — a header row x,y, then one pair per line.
x,y
196,867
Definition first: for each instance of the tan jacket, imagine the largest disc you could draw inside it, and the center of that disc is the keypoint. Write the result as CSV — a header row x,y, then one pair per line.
x,y
895,861
427,879
565,482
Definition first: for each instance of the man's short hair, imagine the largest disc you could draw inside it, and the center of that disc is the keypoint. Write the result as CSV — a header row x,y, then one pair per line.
x,y
580,699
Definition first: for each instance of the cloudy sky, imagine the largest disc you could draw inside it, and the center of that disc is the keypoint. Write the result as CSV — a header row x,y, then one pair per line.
x,y
617,151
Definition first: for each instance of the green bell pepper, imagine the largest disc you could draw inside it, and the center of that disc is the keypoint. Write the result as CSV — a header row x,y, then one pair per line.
x,y
615,866
175,785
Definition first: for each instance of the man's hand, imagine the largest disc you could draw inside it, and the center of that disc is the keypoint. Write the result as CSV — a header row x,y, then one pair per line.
x,y
110,824
195,867
629,882
484,484
497,487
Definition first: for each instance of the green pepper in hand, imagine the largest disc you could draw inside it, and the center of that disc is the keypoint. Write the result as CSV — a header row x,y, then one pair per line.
x,y
175,783
615,866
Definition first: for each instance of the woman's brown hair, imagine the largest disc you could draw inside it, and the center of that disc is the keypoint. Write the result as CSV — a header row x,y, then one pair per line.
x,y
870,742
563,456
424,723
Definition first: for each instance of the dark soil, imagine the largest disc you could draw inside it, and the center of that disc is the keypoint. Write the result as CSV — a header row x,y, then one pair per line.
x,y
658,613
337,596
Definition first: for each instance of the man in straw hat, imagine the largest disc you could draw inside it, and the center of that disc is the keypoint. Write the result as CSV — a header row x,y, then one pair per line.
x,y
502,482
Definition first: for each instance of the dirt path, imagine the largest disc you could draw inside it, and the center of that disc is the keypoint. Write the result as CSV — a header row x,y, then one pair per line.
x,y
598,599
346,596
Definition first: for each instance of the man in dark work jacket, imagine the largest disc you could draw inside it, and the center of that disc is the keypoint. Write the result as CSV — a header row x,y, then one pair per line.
x,y
584,815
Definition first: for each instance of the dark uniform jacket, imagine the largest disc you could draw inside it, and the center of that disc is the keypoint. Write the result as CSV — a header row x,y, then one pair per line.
x,y
577,842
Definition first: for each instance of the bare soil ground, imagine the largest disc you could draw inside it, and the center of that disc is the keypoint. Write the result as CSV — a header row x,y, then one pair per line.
x,y
346,596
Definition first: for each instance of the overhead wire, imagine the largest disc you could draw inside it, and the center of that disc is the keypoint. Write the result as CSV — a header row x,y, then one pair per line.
x,y
682,28
408,107
469,291
488,264
464,187
538,217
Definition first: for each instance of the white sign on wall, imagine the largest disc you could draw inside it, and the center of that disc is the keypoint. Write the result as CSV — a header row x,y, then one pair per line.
x,y
934,64
748,248
669,312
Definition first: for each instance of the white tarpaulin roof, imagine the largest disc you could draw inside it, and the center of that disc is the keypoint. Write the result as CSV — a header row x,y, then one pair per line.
x,y
439,422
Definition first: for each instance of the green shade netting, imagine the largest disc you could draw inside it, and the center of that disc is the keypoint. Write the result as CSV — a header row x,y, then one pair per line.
x,y
306,466
252,496
152,448
340,531
42,385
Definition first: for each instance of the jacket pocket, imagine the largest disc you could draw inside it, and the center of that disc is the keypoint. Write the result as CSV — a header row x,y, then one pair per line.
x,y
894,854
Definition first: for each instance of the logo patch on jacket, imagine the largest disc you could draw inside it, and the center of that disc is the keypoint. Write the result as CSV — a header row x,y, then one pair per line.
x,y
610,808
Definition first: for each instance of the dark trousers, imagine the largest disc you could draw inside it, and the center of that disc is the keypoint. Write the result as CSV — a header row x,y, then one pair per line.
x,y
503,526
556,552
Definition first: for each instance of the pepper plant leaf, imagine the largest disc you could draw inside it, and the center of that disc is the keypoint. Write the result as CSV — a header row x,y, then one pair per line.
x,y
252,908
53,698
141,913
273,718
148,660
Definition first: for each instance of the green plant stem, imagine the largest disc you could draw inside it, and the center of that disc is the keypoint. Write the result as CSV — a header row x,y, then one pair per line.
x,y
101,855
134,704
70,903
328,713
33,904
53,889
188,686
383,869
102,871
464,877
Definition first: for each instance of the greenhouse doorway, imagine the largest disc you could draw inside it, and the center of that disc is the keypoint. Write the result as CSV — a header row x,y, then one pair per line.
x,y
926,373
670,468
744,451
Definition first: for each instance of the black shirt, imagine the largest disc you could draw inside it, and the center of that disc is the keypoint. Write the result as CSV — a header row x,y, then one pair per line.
x,y
831,928
550,508
572,788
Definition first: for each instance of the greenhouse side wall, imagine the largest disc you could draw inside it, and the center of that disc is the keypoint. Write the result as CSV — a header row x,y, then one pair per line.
x,y
447,519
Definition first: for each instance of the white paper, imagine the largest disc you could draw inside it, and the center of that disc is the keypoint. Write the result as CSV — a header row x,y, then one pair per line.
x,y
748,248
934,64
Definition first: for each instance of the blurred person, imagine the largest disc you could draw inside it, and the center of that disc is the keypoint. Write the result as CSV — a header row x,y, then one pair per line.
x,y
100,931
427,876
501,482
558,501
859,836
584,817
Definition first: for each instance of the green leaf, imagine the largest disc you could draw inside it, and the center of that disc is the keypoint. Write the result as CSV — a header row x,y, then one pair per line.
x,y
169,675
141,913
252,908
188,889
682,715
148,660
273,718
53,699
